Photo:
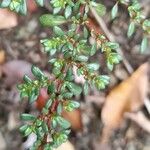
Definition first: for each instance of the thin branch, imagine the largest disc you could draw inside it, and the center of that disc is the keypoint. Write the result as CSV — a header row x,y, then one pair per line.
x,y
111,38
140,119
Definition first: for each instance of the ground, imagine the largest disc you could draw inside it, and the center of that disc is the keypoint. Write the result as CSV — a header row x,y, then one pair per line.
x,y
22,42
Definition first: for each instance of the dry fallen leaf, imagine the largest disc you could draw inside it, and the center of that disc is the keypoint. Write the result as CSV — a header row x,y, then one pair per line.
x,y
74,118
140,119
66,146
126,97
2,56
8,19
32,7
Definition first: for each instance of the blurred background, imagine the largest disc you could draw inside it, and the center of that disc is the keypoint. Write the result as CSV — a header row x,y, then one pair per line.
x,y
115,119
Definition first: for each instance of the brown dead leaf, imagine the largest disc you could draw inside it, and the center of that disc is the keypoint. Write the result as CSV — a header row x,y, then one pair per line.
x,y
126,97
74,118
2,56
140,119
66,146
8,19
32,7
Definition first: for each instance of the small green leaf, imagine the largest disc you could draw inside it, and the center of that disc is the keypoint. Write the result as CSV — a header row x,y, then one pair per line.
x,y
58,31
37,72
131,29
67,95
28,131
85,32
54,122
44,127
114,11
33,95
52,20
75,89
112,45
23,7
23,128
82,58
68,11
5,3
27,117
69,75
144,44
27,79
48,103
63,123
101,9
93,66
93,49
74,104
51,88
59,108
40,2
71,105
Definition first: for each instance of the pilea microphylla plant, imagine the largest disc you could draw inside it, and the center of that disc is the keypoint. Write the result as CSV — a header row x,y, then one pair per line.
x,y
74,48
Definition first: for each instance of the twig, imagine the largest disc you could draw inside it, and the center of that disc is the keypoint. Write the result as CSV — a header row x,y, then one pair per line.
x,y
140,119
111,38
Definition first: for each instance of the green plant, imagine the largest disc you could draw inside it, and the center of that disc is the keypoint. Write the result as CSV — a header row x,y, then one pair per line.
x,y
75,49
136,19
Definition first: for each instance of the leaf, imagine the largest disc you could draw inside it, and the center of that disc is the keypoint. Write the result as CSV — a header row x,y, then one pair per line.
x,y
58,31
128,96
68,11
85,88
114,11
5,3
51,88
131,29
26,130
59,108
75,89
93,49
93,66
44,127
2,56
33,95
82,58
8,19
74,117
27,79
23,7
112,45
40,2
85,32
27,117
37,72
52,20
101,9
144,44
66,146
63,123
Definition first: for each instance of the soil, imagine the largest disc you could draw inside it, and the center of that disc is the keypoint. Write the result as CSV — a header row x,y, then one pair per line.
x,y
23,43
